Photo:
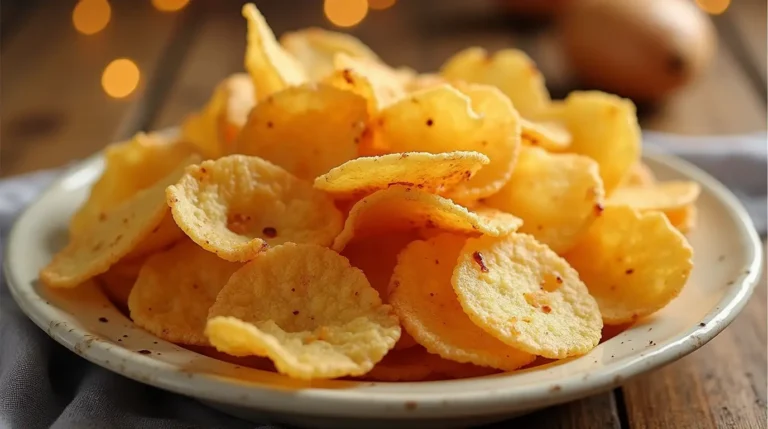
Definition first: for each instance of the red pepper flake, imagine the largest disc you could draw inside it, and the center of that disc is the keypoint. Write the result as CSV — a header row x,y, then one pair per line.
x,y
559,279
546,309
203,170
430,122
599,209
629,271
478,257
270,124
269,232
295,312
348,76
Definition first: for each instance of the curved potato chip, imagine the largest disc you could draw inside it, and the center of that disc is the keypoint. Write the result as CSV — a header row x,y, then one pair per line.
x,y
662,196
376,257
113,236
435,173
522,293
556,195
510,70
315,49
633,263
603,127
550,135
426,305
308,310
399,208
161,236
174,291
639,175
129,167
444,119
425,81
214,129
307,130
684,219
379,83
237,206
417,364
116,287
272,69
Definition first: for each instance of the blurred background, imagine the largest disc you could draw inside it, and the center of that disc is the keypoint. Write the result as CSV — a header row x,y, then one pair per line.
x,y
76,75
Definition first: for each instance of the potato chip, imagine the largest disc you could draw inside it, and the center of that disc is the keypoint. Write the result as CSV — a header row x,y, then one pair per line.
x,y
307,130
662,196
417,364
435,173
444,119
112,236
406,341
272,69
424,81
550,135
315,49
376,256
684,219
174,291
556,195
379,83
400,208
426,305
308,310
633,263
639,175
214,129
510,70
161,237
603,127
237,206
117,285
522,293
128,168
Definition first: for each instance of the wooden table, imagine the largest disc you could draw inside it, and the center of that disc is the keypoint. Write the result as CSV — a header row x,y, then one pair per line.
x,y
54,111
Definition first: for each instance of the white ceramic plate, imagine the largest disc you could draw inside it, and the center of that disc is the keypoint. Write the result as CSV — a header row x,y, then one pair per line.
x,y
727,264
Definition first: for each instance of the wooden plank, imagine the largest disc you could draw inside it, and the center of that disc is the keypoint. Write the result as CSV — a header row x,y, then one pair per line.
x,y
722,385
747,20
54,109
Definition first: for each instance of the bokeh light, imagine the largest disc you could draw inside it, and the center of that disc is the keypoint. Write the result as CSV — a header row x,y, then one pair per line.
x,y
169,5
381,4
120,78
714,7
345,13
91,16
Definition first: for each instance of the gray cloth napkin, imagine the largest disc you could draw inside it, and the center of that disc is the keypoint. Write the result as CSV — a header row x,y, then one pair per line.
x,y
42,384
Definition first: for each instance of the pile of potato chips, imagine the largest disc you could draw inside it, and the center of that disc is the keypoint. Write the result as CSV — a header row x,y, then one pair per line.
x,y
344,218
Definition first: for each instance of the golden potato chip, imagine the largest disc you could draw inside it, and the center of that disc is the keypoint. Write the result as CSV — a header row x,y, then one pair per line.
x,y
556,195
214,129
435,173
237,206
128,168
307,130
633,263
306,308
603,127
522,293
174,291
406,341
639,175
376,256
662,196
161,237
426,305
551,135
112,236
379,83
444,119
315,49
424,81
272,69
684,219
117,283
400,208
417,364
510,70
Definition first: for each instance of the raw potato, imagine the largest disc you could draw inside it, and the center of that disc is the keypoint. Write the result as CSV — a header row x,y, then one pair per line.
x,y
316,48
400,208
307,130
633,263
426,305
174,291
280,306
435,173
522,293
556,195
237,206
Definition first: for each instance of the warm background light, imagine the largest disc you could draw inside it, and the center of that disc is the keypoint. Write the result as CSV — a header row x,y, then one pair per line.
x,y
345,13
714,7
169,5
381,4
120,78
91,16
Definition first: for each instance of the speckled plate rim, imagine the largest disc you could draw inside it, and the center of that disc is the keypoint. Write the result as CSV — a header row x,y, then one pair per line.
x,y
491,395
